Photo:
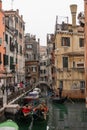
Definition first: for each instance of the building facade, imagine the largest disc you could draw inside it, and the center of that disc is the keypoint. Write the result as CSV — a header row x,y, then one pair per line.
x,y
14,43
32,55
2,48
69,54
51,59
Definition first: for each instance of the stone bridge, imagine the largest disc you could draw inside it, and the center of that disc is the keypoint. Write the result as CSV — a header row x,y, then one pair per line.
x,y
43,85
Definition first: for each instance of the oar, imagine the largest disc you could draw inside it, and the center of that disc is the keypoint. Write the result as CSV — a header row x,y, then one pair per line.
x,y
47,127
31,125
71,100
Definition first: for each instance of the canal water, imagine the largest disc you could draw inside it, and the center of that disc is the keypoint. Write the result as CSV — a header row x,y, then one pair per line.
x,y
68,116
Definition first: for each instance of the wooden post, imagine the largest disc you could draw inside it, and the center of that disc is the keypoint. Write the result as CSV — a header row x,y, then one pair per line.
x,y
5,93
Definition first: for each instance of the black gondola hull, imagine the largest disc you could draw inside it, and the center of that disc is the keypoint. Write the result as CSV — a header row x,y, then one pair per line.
x,y
59,100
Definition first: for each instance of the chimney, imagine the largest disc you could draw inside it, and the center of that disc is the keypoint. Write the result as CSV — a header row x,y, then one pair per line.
x,y
17,11
73,12
21,16
0,5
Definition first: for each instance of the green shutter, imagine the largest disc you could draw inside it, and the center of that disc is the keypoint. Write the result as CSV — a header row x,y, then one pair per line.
x,y
0,41
12,67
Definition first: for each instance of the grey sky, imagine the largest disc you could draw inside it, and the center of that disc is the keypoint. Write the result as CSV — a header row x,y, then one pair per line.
x,y
40,15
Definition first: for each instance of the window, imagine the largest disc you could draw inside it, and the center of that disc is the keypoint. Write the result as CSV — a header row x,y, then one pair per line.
x,y
65,62
20,49
0,41
5,57
0,59
20,35
61,84
16,19
73,64
11,45
16,46
65,41
82,84
12,67
44,71
6,38
81,42
3,20
29,46
23,27
44,63
29,57
16,32
80,65
34,69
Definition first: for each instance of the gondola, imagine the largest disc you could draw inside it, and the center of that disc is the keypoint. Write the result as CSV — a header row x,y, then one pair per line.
x,y
58,100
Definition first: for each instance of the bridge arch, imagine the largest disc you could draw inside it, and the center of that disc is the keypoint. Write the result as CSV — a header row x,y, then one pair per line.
x,y
43,85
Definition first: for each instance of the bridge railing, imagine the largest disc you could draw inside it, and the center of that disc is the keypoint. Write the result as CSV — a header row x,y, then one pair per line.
x,y
42,82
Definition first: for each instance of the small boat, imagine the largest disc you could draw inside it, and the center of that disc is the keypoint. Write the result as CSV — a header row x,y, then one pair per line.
x,y
9,125
58,99
37,89
11,110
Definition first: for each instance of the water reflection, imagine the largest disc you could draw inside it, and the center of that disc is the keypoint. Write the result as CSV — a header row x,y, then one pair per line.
x,y
58,115
68,117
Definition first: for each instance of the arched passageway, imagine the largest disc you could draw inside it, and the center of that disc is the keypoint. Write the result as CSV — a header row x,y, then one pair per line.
x,y
44,86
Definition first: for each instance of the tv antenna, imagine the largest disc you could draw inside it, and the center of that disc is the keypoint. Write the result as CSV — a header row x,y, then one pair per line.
x,y
12,4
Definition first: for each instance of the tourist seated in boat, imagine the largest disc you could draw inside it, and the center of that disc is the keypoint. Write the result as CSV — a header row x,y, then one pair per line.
x,y
41,109
26,109
44,109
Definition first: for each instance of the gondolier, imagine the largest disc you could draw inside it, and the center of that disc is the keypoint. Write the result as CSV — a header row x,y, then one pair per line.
x,y
60,91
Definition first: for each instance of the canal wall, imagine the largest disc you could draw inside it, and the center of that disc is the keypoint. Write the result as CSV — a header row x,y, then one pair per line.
x,y
74,94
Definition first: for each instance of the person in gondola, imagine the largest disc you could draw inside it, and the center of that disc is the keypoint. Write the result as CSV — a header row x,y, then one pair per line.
x,y
27,109
60,91
44,109
41,110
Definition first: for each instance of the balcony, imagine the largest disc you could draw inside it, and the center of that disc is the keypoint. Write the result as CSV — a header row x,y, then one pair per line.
x,y
73,53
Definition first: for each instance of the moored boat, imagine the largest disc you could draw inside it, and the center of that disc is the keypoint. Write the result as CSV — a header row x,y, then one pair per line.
x,y
11,110
9,125
58,99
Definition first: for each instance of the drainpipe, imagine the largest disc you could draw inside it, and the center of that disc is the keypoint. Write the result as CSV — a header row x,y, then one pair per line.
x,y
85,39
73,9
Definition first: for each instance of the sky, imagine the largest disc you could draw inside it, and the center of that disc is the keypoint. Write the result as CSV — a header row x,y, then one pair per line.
x,y
40,15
